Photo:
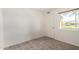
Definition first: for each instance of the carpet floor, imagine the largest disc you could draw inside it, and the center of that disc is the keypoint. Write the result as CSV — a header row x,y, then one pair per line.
x,y
43,43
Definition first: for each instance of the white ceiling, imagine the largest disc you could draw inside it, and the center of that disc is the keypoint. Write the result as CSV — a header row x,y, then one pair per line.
x,y
44,9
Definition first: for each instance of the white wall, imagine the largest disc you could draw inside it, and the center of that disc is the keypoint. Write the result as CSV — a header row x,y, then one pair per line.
x,y
21,25
1,30
25,24
52,20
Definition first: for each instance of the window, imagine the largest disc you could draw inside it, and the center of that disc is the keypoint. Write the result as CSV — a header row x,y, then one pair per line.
x,y
70,20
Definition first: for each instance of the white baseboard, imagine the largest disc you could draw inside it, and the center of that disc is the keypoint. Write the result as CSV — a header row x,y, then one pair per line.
x,y
72,43
22,41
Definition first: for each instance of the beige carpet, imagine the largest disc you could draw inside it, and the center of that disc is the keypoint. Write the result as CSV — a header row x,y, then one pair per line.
x,y
43,43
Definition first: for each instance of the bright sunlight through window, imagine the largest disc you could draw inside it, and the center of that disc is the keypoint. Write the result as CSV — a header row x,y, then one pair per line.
x,y
70,20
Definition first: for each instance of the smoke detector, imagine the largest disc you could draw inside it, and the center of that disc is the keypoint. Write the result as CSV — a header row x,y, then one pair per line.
x,y
48,12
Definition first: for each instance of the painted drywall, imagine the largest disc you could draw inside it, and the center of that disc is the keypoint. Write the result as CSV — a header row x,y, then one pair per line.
x,y
21,25
1,30
52,28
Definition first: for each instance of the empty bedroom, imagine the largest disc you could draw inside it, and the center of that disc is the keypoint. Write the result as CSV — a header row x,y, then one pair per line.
x,y
39,28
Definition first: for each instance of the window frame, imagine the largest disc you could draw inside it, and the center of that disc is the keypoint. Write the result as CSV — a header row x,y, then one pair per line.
x,y
76,26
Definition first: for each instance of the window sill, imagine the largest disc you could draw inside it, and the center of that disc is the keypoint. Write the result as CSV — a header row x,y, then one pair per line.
x,y
70,29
